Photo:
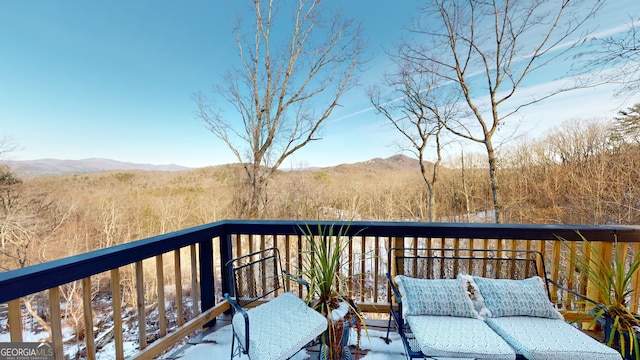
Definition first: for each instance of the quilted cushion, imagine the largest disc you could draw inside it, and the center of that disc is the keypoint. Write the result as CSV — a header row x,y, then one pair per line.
x,y
458,337
279,328
550,339
441,297
507,297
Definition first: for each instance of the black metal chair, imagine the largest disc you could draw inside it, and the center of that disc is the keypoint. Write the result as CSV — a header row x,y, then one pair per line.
x,y
268,323
438,263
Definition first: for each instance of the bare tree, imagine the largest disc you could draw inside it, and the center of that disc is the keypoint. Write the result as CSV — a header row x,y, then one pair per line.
x,y
418,108
291,76
485,50
617,57
7,145
29,218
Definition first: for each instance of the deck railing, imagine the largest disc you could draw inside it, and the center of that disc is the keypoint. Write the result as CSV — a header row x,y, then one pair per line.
x,y
189,264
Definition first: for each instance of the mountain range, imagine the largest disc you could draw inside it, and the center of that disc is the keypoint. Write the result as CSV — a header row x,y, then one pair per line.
x,y
46,167
43,167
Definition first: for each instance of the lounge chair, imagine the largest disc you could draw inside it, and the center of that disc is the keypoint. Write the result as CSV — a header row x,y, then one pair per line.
x,y
275,329
482,304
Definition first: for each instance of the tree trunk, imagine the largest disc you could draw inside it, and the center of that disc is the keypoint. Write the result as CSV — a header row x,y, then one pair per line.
x,y
493,178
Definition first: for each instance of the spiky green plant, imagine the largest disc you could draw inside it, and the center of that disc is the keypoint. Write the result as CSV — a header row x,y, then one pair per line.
x,y
322,266
611,280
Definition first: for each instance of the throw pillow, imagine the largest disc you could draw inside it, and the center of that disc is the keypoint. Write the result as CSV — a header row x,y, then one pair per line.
x,y
508,297
436,297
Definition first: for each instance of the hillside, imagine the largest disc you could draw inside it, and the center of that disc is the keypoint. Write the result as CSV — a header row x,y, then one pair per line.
x,y
45,167
393,163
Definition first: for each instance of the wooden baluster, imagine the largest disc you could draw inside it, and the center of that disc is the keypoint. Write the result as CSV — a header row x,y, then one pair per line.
x,y
263,276
287,259
116,304
56,325
142,317
485,262
15,320
362,267
300,248
513,246
606,251
162,313
376,268
635,283
456,262
571,272
195,284
350,263
540,259
178,275
471,254
555,270
88,318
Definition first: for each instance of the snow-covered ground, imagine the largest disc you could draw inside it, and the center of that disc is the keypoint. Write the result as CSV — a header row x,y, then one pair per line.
x,y
71,350
217,345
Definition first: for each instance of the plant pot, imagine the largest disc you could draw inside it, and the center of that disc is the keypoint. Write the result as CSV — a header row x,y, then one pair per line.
x,y
345,353
606,323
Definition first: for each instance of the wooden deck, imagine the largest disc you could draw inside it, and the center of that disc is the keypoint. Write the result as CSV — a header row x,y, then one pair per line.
x,y
313,350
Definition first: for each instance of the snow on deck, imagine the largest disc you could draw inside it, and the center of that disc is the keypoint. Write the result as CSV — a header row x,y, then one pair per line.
x,y
217,345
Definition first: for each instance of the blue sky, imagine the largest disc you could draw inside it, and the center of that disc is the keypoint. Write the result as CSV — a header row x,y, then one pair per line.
x,y
114,80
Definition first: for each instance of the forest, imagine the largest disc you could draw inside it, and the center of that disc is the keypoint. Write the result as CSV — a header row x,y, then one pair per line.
x,y
581,172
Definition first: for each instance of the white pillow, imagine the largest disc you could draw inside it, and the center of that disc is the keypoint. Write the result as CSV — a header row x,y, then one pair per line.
x,y
436,297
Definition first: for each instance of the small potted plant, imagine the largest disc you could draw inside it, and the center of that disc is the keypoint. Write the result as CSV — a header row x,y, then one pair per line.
x,y
328,290
611,280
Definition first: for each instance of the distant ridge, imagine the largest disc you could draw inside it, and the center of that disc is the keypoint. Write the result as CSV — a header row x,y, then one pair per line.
x,y
394,163
42,167
49,167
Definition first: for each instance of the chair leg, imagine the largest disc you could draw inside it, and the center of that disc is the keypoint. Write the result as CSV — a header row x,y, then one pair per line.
x,y
233,341
386,340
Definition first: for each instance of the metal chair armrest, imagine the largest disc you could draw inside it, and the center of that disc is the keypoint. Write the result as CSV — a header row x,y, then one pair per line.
x,y
396,293
244,314
597,304
297,279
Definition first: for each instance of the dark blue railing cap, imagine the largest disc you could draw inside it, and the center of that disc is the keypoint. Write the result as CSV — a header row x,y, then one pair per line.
x,y
448,230
35,278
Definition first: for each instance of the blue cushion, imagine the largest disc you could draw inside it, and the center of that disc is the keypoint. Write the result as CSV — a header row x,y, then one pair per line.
x,y
279,328
550,339
457,337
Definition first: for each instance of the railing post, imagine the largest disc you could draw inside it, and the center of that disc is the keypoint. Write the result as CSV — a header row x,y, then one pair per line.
x,y
226,254
207,290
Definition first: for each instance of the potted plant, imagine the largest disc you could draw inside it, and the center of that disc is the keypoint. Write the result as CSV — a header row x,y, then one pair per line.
x,y
323,266
611,279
